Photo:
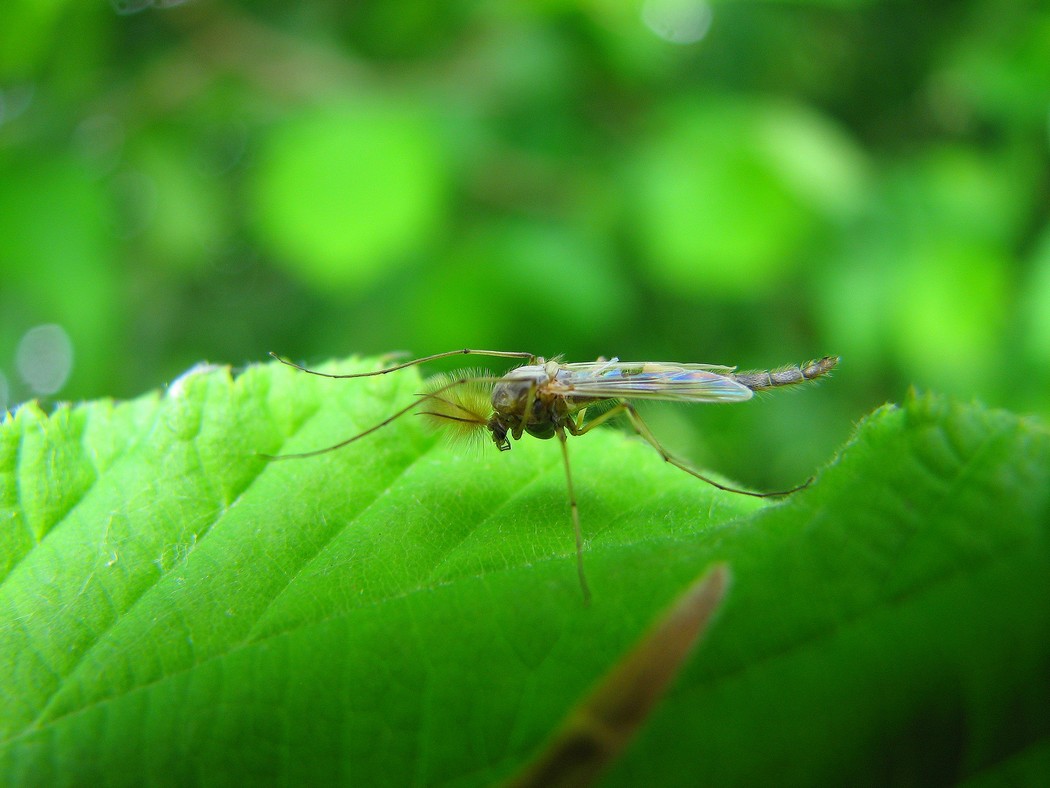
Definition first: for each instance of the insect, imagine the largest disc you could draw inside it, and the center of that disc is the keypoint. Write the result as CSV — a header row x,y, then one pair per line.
x,y
549,398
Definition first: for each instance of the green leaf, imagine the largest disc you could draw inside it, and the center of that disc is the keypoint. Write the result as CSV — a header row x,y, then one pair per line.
x,y
174,608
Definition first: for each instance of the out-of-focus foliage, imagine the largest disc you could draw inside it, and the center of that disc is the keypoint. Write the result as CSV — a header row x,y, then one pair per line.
x,y
728,183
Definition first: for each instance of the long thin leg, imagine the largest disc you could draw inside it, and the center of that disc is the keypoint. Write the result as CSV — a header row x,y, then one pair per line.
x,y
425,359
423,397
575,518
530,401
646,434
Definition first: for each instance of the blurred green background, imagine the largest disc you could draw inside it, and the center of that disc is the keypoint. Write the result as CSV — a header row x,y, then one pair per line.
x,y
726,182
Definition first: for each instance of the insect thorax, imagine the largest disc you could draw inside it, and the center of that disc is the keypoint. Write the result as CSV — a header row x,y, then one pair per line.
x,y
522,402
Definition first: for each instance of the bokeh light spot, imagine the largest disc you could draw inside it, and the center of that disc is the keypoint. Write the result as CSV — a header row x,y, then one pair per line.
x,y
716,214
14,101
125,7
344,193
677,21
45,358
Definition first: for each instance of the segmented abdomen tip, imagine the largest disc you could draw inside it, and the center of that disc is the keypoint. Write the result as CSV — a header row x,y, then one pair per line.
x,y
815,369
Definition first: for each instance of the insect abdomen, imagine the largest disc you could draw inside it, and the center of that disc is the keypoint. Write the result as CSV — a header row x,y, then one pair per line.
x,y
786,376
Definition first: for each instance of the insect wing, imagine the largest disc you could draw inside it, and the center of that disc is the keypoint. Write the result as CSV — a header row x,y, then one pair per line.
x,y
652,380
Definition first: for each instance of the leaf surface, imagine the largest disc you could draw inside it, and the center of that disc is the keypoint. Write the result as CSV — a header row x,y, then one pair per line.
x,y
175,608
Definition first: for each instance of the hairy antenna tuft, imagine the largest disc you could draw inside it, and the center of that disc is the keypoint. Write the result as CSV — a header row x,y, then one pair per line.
x,y
458,404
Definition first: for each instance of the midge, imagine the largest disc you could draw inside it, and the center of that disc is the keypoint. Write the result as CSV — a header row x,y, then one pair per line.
x,y
549,399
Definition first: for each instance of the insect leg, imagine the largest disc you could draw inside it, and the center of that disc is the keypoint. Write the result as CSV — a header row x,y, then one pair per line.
x,y
530,401
646,434
575,517
425,359
612,413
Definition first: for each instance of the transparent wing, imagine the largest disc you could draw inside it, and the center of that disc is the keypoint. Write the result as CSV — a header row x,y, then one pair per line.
x,y
651,380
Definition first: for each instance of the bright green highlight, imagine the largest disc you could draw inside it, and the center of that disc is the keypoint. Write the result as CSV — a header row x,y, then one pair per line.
x,y
344,192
